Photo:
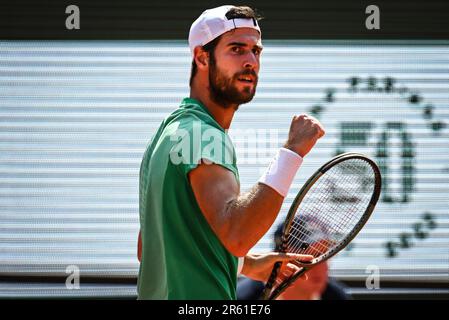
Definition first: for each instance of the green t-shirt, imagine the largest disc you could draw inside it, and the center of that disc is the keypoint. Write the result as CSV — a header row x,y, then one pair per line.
x,y
182,258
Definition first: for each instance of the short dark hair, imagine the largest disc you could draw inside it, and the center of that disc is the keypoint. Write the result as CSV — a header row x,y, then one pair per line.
x,y
244,12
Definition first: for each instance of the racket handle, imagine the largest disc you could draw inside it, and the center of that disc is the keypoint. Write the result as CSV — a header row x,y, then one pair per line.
x,y
266,292
281,288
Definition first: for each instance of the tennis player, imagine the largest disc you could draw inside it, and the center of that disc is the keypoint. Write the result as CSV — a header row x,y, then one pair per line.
x,y
196,226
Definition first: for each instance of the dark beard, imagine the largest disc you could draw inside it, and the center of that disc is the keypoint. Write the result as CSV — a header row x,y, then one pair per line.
x,y
224,93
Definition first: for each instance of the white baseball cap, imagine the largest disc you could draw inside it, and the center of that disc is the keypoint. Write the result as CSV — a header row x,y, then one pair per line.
x,y
212,23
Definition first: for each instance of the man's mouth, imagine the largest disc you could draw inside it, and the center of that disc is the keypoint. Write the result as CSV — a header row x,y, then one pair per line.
x,y
247,79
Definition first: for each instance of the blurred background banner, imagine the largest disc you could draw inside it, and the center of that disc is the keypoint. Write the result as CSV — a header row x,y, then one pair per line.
x,y
76,116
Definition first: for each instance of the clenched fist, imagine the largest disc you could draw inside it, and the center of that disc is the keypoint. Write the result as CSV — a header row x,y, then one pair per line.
x,y
304,132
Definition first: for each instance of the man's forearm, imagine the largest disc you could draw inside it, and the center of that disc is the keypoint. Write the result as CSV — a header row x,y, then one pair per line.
x,y
252,214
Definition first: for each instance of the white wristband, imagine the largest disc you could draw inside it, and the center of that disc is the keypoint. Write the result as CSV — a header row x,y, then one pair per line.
x,y
240,265
282,171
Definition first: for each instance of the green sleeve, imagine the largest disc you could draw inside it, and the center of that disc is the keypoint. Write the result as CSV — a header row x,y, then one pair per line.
x,y
202,143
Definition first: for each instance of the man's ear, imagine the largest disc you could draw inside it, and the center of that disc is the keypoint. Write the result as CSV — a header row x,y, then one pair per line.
x,y
201,58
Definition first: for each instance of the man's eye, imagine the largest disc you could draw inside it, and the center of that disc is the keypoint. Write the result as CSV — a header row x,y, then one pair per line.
x,y
236,49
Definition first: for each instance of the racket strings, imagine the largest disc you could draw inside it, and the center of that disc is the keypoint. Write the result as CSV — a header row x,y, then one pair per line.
x,y
331,208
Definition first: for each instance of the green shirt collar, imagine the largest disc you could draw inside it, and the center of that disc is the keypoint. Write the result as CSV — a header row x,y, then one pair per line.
x,y
190,101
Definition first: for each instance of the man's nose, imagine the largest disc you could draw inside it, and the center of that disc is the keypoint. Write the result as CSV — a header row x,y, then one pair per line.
x,y
251,61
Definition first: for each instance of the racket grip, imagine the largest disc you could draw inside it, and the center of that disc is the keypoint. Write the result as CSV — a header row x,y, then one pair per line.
x,y
266,292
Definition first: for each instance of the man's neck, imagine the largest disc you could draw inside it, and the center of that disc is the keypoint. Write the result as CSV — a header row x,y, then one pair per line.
x,y
222,115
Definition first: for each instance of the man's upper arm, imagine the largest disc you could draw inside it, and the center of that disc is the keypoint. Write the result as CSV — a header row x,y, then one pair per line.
x,y
215,188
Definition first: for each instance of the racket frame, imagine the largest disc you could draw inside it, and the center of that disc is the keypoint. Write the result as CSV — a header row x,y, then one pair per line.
x,y
267,294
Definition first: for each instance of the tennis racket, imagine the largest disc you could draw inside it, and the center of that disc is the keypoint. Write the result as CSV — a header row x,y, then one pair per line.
x,y
337,200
